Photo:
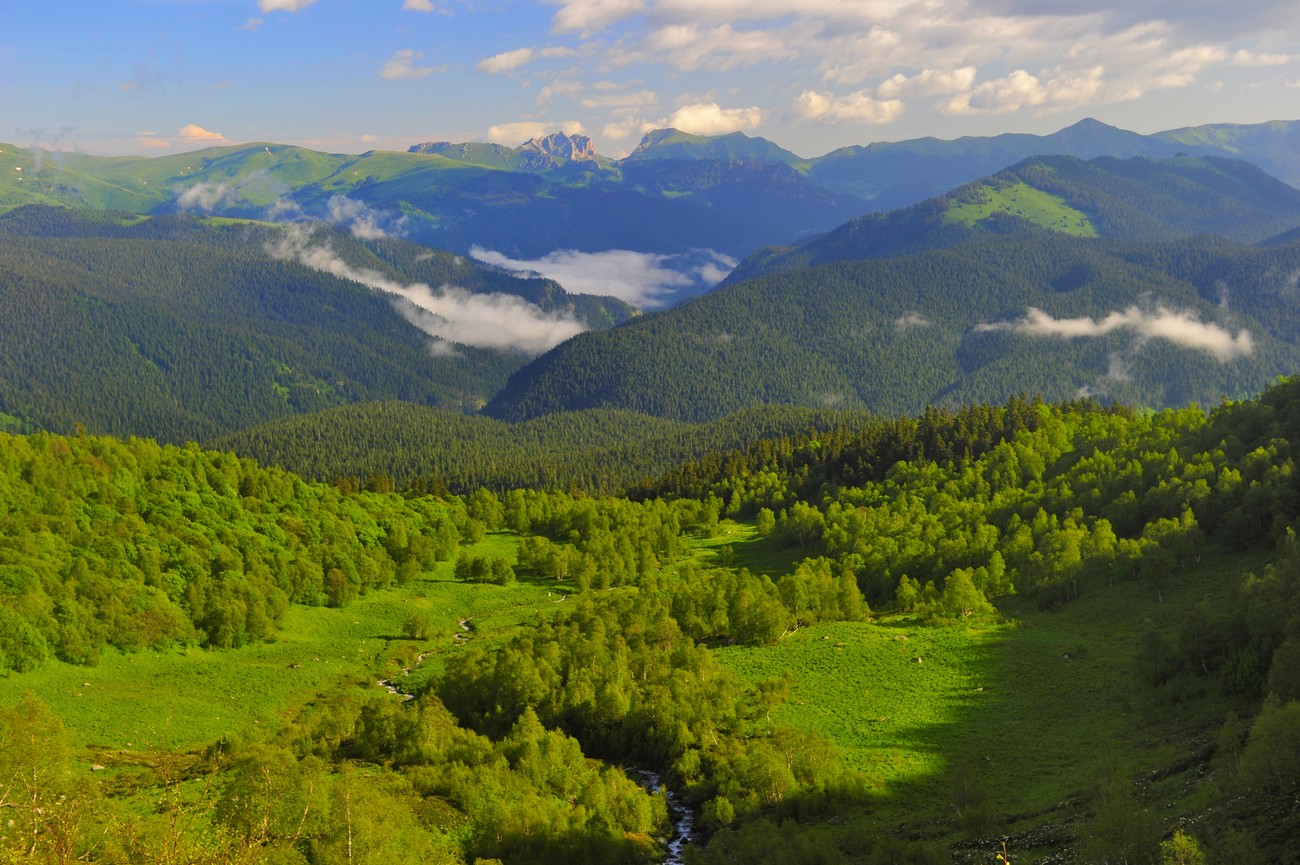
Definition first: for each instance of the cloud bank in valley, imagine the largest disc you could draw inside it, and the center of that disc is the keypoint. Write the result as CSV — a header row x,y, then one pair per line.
x,y
645,280
497,321
1181,328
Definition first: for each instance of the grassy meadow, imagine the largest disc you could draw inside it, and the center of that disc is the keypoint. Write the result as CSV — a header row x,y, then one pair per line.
x,y
188,697
1032,708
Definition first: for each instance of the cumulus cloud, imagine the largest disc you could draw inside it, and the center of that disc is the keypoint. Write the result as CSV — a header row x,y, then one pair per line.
x,y
514,134
589,16
283,5
642,279
419,6
498,321
860,107
1033,56
402,65
626,127
508,61
928,82
195,132
1019,90
709,118
1180,328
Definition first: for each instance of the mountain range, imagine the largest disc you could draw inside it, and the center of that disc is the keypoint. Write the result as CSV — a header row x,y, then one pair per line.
x,y
1129,279
674,193
1156,281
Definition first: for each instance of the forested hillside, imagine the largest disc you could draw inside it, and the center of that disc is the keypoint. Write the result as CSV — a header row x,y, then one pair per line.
x,y
184,329
595,451
645,635
1160,324
1134,199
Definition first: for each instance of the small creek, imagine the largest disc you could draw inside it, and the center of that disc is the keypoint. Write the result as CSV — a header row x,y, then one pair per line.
x,y
391,687
682,817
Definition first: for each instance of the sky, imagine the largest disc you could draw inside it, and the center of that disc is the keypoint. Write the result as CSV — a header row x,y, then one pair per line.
x,y
166,76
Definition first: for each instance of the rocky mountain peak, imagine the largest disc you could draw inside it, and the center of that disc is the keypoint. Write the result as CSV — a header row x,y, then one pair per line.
x,y
562,145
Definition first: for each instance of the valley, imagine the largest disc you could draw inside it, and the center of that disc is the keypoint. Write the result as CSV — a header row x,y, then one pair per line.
x,y
956,523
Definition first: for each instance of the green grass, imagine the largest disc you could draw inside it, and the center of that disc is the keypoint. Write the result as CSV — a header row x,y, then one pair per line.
x,y
1024,201
998,700
748,550
189,697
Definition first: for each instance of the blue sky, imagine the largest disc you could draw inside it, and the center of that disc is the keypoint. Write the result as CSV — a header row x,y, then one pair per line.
x,y
163,76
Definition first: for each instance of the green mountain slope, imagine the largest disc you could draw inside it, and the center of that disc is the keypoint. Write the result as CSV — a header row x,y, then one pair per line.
x,y
1132,199
524,202
183,328
1155,324
596,451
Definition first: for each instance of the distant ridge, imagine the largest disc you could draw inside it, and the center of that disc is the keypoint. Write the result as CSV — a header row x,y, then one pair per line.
x,y
1057,276
675,193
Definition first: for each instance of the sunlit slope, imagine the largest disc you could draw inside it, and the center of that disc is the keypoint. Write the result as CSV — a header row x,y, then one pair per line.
x,y
1128,199
1039,313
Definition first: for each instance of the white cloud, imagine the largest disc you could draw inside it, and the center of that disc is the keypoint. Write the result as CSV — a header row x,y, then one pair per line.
x,y
251,24
419,6
514,134
506,60
642,279
195,132
860,107
618,130
1034,56
1250,58
151,141
558,88
709,118
283,5
911,319
498,321
641,99
204,196
689,47
210,194
589,16
1020,90
364,222
1180,328
927,82
402,65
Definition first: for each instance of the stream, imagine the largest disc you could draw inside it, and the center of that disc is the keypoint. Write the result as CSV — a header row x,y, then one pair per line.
x,y
682,817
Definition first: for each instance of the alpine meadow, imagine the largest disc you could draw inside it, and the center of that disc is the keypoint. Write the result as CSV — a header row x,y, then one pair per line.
x,y
450,432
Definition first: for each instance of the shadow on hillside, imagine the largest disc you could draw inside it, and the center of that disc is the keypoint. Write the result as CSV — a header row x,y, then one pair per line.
x,y
1038,711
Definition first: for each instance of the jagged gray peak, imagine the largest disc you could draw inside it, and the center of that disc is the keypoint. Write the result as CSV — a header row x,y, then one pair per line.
x,y
560,144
